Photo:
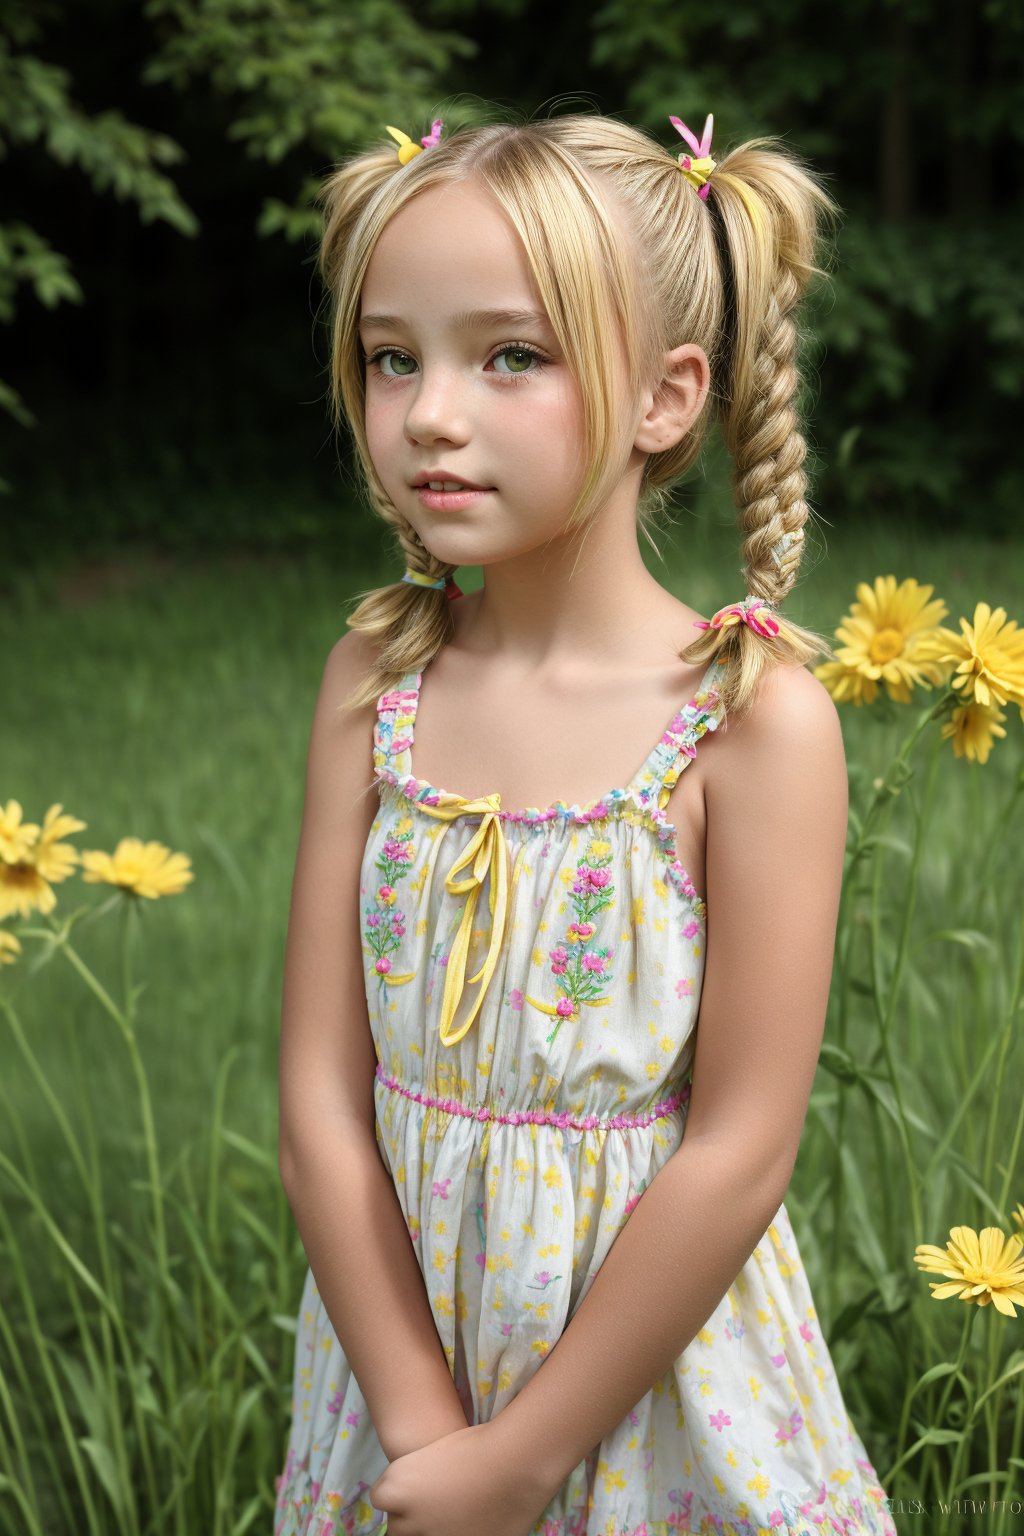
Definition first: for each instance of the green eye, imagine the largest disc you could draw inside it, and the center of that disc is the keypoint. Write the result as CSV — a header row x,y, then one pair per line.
x,y
523,357
400,358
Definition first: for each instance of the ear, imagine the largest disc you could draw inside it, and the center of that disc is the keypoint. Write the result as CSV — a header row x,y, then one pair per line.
x,y
677,400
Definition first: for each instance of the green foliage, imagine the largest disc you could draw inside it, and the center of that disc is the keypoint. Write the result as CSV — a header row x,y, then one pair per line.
x,y
909,108
36,107
307,73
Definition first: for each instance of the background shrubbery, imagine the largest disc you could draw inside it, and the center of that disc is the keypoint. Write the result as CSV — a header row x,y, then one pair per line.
x,y
164,323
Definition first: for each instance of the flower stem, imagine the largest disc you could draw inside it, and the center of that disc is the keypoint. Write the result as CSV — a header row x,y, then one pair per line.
x,y
951,1379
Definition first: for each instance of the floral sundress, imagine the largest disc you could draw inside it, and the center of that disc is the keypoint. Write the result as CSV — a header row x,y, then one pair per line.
x,y
533,981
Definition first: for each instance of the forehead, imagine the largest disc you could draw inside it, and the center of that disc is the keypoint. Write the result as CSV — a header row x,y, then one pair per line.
x,y
451,247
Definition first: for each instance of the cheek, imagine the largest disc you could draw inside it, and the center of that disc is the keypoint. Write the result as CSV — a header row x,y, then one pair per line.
x,y
381,423
549,431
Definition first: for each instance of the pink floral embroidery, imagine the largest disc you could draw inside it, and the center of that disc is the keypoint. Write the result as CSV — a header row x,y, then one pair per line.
x,y
580,966
385,922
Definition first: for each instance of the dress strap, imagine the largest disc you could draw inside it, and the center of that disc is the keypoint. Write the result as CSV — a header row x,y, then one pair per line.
x,y
393,731
677,744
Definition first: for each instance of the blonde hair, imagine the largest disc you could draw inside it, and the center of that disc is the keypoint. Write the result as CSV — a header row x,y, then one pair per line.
x,y
620,245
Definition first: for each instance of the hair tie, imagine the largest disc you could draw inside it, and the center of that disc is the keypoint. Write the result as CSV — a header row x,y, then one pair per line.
x,y
407,150
755,612
696,171
446,584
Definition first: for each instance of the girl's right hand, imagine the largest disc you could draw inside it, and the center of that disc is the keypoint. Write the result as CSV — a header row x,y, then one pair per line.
x,y
464,1485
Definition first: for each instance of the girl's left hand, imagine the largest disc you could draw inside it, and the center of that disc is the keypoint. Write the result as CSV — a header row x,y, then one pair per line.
x,y
465,1483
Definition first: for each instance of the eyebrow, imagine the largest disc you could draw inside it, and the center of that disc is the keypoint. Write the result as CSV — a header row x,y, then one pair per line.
x,y
468,320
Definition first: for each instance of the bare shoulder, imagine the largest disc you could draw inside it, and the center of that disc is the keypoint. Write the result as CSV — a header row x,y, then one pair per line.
x,y
777,802
341,737
348,662
791,735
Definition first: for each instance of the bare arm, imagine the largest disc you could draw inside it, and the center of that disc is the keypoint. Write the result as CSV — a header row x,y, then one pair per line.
x,y
335,1178
777,813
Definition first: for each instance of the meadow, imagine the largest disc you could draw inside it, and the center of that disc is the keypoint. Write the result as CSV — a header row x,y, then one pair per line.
x,y
149,1262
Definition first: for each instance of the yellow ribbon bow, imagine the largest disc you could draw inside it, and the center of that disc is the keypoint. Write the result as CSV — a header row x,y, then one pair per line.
x,y
487,853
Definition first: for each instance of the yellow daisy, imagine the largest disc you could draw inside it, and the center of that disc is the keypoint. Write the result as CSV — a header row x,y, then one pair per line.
x,y
16,836
972,727
42,861
988,657
54,859
981,1269
144,869
847,685
882,638
10,947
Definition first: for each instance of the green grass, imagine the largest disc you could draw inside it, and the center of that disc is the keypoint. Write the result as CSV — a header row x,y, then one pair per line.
x,y
174,703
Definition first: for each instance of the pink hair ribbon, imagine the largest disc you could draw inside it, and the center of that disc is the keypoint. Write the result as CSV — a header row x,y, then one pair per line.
x,y
696,170
752,611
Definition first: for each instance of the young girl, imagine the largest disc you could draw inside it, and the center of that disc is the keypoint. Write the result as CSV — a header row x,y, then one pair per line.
x,y
553,1286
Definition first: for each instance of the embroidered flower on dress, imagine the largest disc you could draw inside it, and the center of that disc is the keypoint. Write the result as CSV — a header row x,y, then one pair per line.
x,y
384,921
580,966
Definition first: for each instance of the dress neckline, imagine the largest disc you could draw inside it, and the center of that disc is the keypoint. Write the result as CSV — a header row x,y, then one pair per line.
x,y
649,787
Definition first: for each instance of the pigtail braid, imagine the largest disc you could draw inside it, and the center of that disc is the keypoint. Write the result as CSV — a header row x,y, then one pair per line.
x,y
768,210
768,449
407,623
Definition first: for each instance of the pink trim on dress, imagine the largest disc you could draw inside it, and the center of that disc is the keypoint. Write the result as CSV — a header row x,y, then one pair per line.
x,y
562,1118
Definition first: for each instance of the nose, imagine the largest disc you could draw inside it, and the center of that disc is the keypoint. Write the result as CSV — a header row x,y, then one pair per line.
x,y
437,406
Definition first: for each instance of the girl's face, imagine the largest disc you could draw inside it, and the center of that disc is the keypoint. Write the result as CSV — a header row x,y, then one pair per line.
x,y
465,379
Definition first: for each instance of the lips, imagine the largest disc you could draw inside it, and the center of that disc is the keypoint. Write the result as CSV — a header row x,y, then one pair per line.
x,y
443,479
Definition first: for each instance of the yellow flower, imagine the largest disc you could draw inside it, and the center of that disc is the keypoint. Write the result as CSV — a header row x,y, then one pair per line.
x,y
982,1269
1018,1215
10,947
882,642
145,869
989,657
972,727
16,836
34,859
847,685
56,860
